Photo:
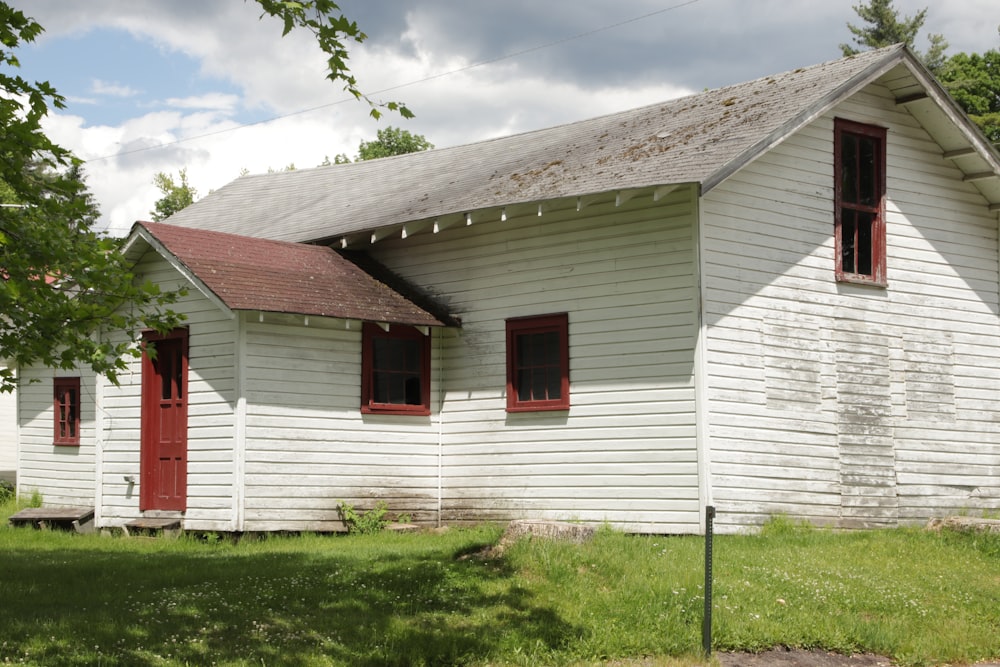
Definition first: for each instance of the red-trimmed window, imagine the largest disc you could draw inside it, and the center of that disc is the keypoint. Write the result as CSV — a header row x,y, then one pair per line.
x,y
538,363
859,164
66,401
395,371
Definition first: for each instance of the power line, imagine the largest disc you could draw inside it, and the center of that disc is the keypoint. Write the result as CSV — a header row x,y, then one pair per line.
x,y
440,75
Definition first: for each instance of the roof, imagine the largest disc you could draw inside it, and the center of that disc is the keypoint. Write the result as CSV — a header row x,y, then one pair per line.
x,y
699,139
276,276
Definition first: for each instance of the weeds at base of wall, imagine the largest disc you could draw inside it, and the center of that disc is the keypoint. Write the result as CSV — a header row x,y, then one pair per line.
x,y
362,522
368,522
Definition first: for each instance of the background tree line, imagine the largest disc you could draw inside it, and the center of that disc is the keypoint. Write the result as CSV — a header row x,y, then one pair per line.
x,y
973,79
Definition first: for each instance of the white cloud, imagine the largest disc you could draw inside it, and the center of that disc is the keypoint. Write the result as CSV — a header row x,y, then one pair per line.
x,y
214,101
99,87
73,99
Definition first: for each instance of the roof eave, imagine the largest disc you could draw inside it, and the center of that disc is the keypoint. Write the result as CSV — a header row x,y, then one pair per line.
x,y
141,233
344,317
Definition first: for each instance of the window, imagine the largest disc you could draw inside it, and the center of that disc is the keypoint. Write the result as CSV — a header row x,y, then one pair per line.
x,y
66,401
538,363
859,163
395,371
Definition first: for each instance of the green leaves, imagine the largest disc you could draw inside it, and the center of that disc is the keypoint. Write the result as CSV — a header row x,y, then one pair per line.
x,y
333,31
63,287
66,292
885,28
974,81
176,195
392,141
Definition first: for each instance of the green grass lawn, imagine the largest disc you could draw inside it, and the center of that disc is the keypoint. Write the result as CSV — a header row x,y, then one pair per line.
x,y
425,599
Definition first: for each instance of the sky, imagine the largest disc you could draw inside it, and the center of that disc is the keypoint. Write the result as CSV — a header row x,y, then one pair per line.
x,y
211,87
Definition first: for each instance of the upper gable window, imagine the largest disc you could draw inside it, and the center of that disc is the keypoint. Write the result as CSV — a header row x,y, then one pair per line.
x,y
395,371
538,363
66,402
859,164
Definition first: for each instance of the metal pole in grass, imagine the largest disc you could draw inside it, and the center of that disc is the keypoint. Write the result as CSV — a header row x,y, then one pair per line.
x,y
706,621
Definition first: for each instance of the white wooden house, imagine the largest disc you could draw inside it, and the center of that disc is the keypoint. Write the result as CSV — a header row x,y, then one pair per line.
x,y
779,297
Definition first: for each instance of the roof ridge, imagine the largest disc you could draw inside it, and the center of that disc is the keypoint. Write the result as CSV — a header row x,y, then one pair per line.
x,y
873,54
688,139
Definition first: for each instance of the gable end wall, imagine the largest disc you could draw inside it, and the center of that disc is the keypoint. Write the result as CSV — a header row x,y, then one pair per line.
x,y
211,417
849,405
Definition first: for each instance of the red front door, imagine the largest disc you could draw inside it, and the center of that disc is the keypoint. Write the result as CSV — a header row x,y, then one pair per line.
x,y
163,483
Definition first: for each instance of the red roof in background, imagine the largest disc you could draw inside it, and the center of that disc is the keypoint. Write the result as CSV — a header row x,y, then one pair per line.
x,y
277,276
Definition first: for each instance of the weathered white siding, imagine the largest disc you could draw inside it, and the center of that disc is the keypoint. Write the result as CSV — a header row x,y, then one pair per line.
x,y
844,404
63,475
8,433
308,445
211,417
625,452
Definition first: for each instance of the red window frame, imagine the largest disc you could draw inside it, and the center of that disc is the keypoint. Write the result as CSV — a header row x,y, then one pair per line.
x,y
381,373
526,331
66,411
859,202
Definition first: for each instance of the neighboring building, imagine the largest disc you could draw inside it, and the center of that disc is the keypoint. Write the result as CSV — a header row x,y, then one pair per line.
x,y
780,297
8,433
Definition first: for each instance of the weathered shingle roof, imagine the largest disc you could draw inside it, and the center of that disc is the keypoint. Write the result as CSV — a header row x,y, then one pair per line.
x,y
276,276
698,139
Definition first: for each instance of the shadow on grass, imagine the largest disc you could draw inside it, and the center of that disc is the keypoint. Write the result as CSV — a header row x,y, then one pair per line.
x,y
90,606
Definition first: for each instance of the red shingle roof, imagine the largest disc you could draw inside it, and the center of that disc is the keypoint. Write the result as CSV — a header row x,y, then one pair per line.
x,y
282,277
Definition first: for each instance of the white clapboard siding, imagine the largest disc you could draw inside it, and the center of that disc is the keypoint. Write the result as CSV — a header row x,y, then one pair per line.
x,y
309,448
626,451
8,432
211,410
843,404
63,475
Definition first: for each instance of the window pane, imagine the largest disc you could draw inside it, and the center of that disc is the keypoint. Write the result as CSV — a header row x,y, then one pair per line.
x,y
867,173
864,250
411,354
554,388
523,385
396,355
380,387
536,349
63,413
397,368
538,376
397,388
380,352
178,368
848,233
552,347
163,360
538,385
849,168
71,419
412,395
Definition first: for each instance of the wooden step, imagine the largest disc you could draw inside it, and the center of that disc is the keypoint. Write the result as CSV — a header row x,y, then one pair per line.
x,y
61,517
154,523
